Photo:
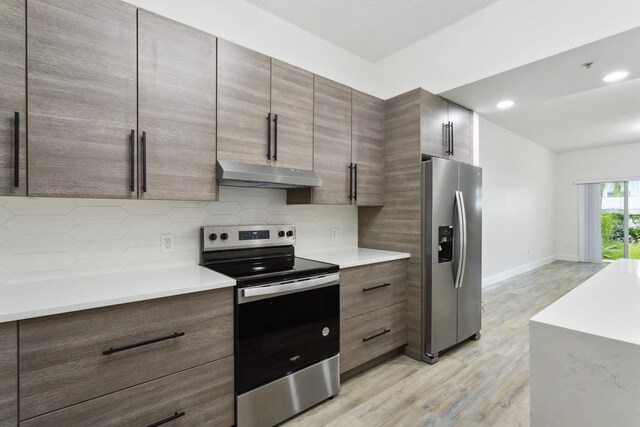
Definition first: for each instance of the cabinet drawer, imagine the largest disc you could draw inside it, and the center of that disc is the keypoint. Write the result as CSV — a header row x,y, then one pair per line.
x,y
201,396
63,361
370,335
370,287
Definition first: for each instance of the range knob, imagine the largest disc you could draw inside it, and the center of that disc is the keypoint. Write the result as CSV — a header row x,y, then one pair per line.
x,y
289,233
280,233
213,236
224,236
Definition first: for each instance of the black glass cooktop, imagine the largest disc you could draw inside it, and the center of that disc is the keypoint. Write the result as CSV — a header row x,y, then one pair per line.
x,y
264,265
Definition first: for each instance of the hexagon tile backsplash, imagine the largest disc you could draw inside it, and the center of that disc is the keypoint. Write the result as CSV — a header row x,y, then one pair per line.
x,y
49,238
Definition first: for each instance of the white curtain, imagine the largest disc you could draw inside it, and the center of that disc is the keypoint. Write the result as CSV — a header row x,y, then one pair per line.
x,y
589,225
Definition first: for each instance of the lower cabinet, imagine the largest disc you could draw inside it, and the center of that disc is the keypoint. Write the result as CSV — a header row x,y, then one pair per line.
x,y
373,312
130,364
201,396
8,374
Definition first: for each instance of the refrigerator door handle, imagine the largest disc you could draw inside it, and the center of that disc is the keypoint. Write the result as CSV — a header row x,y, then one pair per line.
x,y
464,239
461,228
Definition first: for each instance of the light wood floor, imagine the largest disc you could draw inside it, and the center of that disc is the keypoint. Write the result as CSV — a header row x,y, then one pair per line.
x,y
483,383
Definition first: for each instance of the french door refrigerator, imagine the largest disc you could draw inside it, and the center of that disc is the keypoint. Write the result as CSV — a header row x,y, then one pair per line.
x,y
451,248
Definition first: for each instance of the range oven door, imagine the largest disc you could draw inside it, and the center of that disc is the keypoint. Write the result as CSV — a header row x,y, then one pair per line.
x,y
284,327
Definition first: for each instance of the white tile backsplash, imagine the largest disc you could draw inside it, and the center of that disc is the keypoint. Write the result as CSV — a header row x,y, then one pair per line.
x,y
47,238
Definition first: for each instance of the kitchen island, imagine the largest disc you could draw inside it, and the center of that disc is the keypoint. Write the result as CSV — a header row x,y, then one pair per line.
x,y
585,353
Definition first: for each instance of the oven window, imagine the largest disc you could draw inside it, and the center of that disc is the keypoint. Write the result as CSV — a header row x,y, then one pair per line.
x,y
280,335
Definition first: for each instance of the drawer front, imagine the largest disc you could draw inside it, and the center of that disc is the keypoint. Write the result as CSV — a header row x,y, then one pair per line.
x,y
370,287
8,377
62,360
201,396
365,337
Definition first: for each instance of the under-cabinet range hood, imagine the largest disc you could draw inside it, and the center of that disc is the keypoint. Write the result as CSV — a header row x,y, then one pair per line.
x,y
238,174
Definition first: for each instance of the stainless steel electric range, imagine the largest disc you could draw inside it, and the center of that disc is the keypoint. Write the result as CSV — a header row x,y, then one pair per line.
x,y
287,321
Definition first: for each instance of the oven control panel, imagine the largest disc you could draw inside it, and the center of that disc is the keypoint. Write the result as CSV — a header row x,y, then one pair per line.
x,y
246,236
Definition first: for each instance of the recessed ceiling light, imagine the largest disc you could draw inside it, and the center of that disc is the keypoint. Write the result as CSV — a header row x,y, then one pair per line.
x,y
505,104
615,76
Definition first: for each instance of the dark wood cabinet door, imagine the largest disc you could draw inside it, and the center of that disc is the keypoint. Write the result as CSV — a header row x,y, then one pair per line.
x,y
367,148
331,141
176,110
82,76
12,96
433,117
292,102
244,101
8,374
462,120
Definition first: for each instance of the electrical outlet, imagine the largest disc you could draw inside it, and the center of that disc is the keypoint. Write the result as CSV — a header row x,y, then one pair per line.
x,y
334,233
166,244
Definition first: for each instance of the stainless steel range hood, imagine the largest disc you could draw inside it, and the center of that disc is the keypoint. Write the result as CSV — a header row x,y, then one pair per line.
x,y
238,174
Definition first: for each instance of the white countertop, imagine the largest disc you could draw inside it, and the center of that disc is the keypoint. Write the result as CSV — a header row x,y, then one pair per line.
x,y
36,299
606,305
355,257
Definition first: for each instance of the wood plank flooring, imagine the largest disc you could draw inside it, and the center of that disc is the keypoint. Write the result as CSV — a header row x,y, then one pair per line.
x,y
483,383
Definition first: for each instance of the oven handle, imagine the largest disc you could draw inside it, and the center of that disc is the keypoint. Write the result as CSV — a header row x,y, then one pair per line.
x,y
287,288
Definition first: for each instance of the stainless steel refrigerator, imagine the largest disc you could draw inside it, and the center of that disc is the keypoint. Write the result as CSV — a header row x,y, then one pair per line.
x,y
452,255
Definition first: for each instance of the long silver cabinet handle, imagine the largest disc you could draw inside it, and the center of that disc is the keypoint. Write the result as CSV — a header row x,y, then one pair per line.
x,y
301,285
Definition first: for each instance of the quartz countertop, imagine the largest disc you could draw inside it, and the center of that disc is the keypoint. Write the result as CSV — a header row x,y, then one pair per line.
x,y
606,305
355,257
62,295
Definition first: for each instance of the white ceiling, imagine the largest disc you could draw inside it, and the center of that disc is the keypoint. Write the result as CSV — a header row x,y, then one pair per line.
x,y
372,29
561,105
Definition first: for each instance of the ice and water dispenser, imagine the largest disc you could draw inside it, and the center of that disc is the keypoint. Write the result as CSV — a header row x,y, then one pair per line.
x,y
445,243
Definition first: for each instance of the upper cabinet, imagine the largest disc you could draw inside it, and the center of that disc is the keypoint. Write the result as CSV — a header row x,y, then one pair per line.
x,y
292,115
367,149
176,110
244,104
12,99
446,128
82,78
265,109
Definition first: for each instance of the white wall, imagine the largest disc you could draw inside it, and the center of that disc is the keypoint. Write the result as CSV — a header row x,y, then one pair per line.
x,y
47,238
601,163
518,213
245,24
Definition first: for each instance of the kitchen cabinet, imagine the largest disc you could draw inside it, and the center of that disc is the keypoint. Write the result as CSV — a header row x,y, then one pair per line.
x,y
446,128
201,396
331,146
12,98
176,110
8,374
82,96
244,104
367,149
292,115
373,312
69,358
265,109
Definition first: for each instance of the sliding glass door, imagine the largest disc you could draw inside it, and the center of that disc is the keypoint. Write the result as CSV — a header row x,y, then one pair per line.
x,y
620,220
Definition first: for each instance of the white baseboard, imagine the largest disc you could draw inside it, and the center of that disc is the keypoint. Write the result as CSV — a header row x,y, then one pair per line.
x,y
564,257
496,278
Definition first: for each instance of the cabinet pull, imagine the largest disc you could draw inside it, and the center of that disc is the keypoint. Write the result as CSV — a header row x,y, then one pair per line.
x,y
445,137
132,137
376,335
384,285
355,182
451,132
269,136
141,343
144,161
168,419
16,150
350,196
275,137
